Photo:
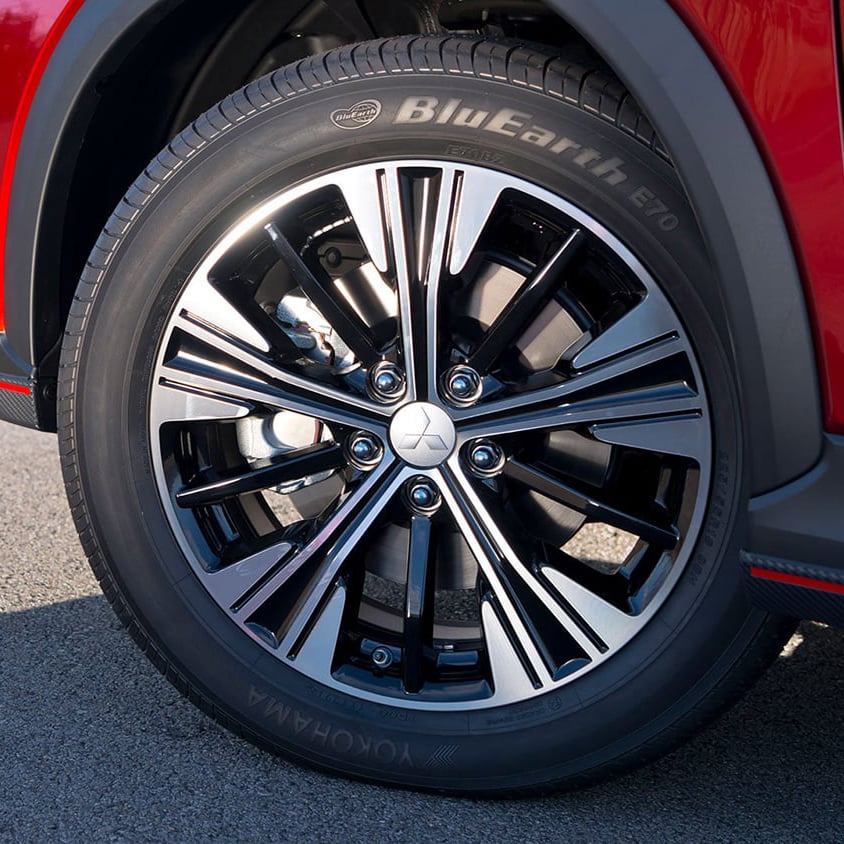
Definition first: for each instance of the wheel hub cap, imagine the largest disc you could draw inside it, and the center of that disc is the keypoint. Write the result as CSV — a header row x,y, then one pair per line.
x,y
422,435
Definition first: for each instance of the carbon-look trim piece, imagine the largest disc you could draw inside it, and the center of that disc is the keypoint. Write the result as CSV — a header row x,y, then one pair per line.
x,y
795,542
17,401
795,589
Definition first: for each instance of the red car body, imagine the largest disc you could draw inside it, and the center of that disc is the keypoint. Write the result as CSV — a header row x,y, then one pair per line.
x,y
778,60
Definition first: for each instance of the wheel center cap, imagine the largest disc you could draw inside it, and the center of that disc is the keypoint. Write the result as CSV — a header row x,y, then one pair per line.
x,y
422,435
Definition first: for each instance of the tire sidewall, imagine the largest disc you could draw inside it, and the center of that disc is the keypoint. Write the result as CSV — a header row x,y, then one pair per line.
x,y
698,634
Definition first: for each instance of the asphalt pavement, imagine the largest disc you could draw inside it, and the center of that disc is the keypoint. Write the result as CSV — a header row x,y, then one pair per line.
x,y
96,746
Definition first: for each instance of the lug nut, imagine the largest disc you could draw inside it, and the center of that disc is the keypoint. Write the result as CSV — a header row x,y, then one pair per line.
x,y
382,658
486,458
386,382
462,385
364,450
423,497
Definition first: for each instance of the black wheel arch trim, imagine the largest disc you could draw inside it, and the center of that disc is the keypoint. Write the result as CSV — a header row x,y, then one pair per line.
x,y
731,192
739,215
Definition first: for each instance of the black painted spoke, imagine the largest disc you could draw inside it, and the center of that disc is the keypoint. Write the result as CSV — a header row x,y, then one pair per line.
x,y
346,325
261,475
589,506
419,602
516,316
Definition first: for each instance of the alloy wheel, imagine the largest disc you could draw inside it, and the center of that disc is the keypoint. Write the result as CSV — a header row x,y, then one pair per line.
x,y
399,413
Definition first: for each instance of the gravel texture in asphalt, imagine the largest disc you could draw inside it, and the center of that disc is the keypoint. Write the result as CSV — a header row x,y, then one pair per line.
x,y
95,745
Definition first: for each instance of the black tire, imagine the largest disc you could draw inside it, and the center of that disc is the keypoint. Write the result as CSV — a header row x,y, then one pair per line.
x,y
706,644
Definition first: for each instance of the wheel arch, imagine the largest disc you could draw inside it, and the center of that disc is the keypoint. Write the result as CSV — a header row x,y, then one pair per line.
x,y
654,54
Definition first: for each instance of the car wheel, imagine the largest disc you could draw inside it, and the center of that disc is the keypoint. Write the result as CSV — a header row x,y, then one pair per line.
x,y
398,425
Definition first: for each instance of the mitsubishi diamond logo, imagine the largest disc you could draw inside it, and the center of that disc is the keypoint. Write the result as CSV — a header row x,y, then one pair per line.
x,y
422,434
432,440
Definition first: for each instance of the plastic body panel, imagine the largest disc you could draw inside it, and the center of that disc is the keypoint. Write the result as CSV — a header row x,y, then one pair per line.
x,y
29,32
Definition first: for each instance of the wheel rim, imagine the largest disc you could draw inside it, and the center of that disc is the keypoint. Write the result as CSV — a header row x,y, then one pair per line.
x,y
391,410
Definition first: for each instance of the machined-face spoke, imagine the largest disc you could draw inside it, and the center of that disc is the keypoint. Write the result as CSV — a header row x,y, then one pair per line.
x,y
613,626
344,323
510,679
650,320
239,353
475,195
463,492
511,624
629,365
228,585
419,601
182,403
404,201
686,435
228,387
335,538
209,306
589,506
418,214
316,652
413,220
264,474
517,314
665,400
334,550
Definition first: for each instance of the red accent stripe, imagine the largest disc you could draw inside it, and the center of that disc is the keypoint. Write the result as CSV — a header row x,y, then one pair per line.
x,y
33,81
796,580
15,388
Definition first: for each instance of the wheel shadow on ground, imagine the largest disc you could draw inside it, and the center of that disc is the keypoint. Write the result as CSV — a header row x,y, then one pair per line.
x,y
95,744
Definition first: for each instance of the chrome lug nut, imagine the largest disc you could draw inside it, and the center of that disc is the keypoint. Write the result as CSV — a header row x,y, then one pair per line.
x,y
386,382
364,450
382,657
462,385
486,459
423,497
